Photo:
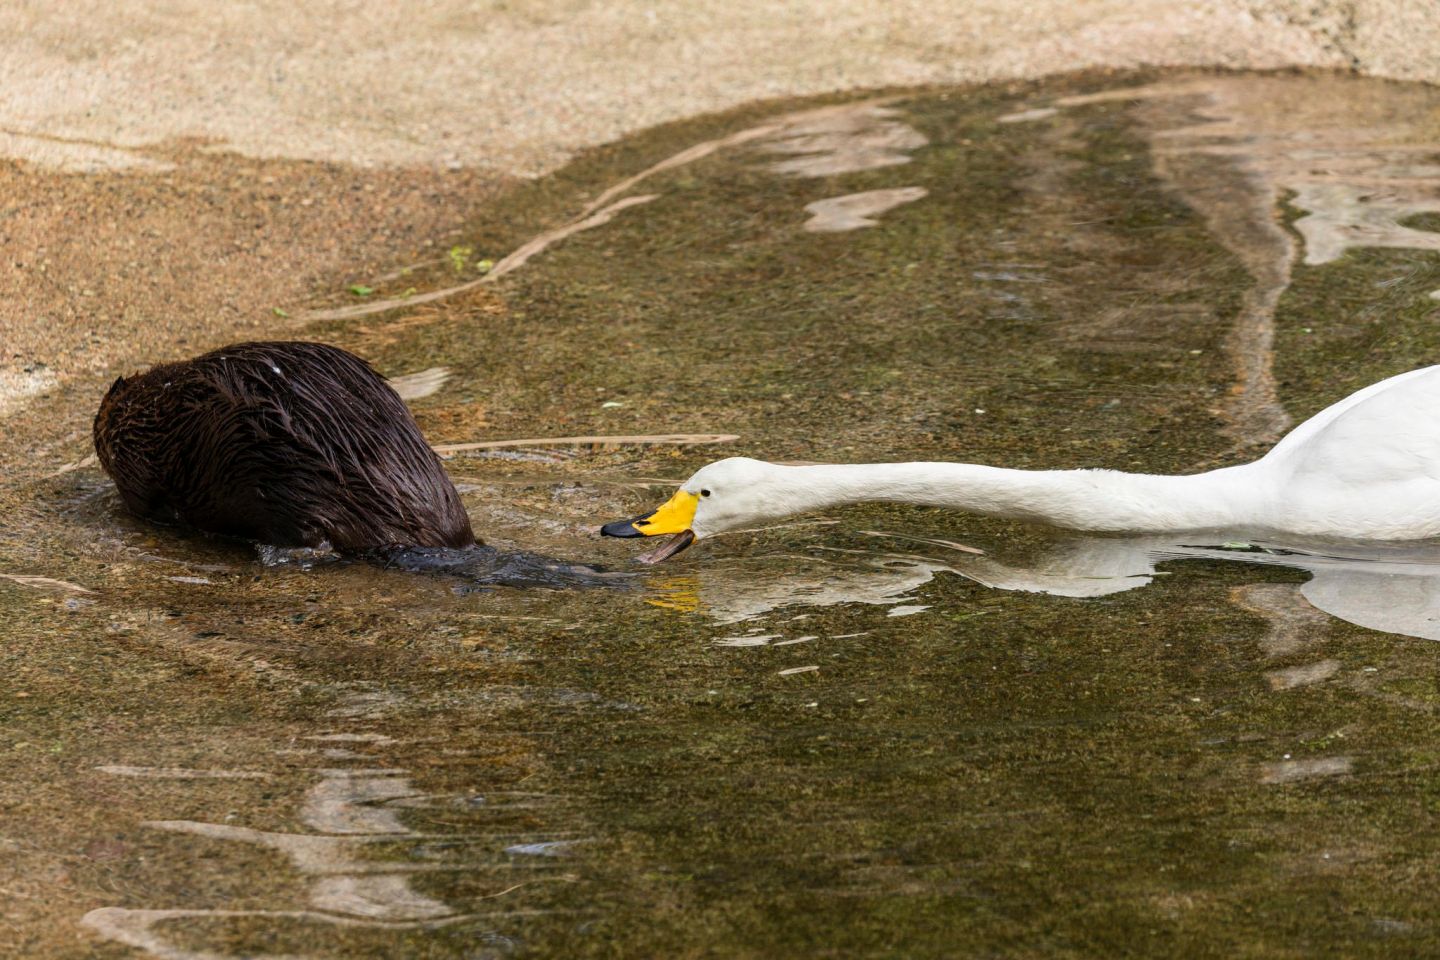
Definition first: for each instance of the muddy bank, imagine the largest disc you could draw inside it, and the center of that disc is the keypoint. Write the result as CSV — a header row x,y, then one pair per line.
x,y
107,271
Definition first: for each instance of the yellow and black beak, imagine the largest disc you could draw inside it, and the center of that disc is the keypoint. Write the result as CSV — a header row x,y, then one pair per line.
x,y
675,517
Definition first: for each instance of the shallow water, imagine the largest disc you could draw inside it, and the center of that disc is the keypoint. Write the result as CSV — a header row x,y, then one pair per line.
x,y
882,731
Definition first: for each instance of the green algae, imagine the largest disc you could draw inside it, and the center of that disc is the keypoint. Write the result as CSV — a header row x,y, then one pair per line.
x,y
1347,324
1060,777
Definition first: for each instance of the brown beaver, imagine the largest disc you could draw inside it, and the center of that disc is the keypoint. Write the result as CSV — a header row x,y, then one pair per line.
x,y
286,443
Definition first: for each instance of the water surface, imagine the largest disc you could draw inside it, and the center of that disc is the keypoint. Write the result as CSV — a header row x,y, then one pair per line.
x,y
885,731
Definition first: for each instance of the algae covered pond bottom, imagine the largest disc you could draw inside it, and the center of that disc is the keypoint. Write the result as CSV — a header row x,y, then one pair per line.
x,y
882,731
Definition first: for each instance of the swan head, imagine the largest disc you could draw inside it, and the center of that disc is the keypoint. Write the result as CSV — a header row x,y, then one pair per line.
x,y
724,495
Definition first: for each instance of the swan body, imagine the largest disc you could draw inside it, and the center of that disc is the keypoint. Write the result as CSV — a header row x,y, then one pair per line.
x,y
1367,467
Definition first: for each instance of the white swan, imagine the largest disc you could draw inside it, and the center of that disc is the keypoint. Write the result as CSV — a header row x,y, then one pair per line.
x,y
1367,468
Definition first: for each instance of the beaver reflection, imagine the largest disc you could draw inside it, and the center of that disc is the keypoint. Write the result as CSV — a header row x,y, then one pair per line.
x,y
285,443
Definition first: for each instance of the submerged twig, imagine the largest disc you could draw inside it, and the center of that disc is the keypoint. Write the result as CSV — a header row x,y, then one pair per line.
x,y
678,439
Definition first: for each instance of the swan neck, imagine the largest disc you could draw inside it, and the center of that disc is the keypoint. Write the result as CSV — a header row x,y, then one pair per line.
x,y
1079,499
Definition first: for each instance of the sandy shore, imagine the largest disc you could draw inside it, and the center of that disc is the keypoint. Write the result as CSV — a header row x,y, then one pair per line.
x,y
518,86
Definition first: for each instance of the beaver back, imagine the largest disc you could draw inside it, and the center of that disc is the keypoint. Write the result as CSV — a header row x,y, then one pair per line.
x,y
286,443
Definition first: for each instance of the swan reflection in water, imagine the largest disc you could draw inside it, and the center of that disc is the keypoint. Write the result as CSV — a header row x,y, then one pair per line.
x,y
1391,587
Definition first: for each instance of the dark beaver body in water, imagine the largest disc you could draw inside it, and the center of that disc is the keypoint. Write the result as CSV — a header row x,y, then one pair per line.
x,y
286,443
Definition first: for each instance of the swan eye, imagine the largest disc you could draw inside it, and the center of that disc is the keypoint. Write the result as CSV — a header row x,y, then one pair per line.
x,y
704,493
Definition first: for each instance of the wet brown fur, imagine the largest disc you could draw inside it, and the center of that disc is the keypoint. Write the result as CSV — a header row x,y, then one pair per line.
x,y
285,443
